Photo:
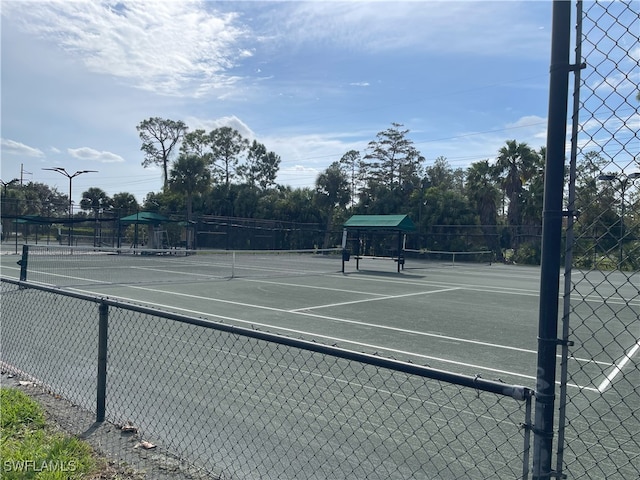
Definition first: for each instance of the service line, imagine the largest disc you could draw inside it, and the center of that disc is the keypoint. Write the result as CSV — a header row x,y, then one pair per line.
x,y
617,368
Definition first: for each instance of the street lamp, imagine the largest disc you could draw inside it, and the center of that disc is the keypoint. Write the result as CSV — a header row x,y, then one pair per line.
x,y
624,183
62,171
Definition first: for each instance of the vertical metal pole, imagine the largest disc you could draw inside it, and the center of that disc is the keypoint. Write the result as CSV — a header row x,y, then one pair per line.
x,y
400,253
551,240
527,438
23,263
623,185
15,223
233,264
70,213
569,246
101,397
357,249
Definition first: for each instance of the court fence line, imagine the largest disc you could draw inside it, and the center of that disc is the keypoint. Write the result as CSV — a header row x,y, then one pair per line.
x,y
597,427
231,402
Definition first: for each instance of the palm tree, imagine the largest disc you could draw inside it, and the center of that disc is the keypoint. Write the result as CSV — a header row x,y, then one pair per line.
x,y
124,204
483,192
515,165
97,200
332,195
189,175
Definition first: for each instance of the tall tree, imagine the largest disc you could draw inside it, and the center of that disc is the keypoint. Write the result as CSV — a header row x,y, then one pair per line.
x,y
484,195
188,176
532,200
196,143
515,165
226,146
392,158
352,164
159,138
261,167
95,199
124,204
332,195
594,228
440,174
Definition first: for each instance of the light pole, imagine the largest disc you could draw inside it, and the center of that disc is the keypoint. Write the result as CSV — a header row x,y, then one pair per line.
x,y
62,171
624,183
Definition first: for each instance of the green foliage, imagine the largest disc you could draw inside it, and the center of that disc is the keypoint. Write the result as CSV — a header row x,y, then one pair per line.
x,y
159,138
30,451
19,411
527,254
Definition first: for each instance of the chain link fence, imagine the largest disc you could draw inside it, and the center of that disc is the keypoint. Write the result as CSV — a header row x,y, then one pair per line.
x,y
599,417
225,402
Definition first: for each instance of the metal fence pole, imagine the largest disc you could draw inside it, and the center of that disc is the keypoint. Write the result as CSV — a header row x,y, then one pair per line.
x,y
101,389
23,263
569,246
551,240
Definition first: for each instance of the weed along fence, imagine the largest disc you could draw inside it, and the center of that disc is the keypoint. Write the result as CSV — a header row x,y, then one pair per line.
x,y
239,403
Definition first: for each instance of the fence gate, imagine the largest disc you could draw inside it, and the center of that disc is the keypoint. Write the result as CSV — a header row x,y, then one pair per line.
x,y
599,407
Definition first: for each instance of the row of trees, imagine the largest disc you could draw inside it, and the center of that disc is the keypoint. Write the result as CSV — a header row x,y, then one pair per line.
x,y
221,173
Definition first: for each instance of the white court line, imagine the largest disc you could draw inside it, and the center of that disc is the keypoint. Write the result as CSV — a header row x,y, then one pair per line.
x,y
338,339
301,311
617,369
352,342
336,319
502,290
388,297
327,337
341,320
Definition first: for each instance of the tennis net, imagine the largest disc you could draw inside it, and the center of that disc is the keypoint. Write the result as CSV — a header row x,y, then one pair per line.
x,y
443,258
72,266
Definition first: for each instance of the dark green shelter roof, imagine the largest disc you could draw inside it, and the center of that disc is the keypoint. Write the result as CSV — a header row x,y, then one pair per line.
x,y
145,218
381,222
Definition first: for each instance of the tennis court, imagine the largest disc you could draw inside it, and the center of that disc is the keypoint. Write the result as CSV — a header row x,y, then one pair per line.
x,y
474,319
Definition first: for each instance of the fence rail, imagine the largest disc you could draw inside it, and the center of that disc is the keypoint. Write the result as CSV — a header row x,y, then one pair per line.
x,y
240,403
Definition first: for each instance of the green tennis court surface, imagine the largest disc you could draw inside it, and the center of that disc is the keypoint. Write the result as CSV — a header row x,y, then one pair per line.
x,y
471,318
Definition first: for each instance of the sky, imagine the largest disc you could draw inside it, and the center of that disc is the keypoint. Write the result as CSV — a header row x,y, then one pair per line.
x,y
310,80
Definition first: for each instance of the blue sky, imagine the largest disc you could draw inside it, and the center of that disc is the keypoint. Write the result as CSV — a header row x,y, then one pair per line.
x,y
310,80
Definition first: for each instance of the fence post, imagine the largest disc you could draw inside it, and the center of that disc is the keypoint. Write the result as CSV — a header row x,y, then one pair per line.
x,y
551,240
101,389
23,263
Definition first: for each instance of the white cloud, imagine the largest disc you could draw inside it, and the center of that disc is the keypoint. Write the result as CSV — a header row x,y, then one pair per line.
x,y
298,176
530,126
172,48
86,153
497,28
17,148
227,121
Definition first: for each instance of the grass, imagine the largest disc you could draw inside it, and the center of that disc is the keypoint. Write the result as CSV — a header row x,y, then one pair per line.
x,y
32,449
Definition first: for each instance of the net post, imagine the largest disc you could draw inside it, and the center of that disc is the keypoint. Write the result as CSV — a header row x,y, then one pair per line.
x,y
233,264
23,263
345,254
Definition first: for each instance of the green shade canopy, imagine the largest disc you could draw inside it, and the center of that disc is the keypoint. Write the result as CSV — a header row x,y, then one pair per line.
x,y
145,218
381,222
